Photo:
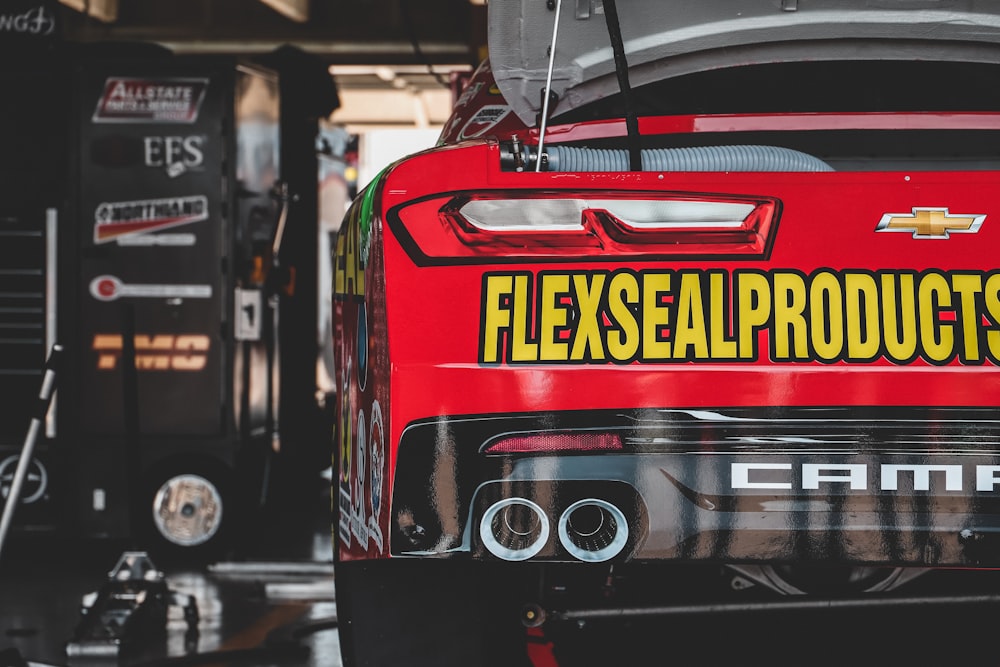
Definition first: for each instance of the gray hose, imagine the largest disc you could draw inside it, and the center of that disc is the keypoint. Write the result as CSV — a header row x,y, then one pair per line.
x,y
698,158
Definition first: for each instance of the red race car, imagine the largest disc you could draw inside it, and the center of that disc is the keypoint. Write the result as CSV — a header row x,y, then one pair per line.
x,y
684,288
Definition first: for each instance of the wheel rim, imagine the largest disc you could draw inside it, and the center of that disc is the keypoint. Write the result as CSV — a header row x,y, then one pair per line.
x,y
187,510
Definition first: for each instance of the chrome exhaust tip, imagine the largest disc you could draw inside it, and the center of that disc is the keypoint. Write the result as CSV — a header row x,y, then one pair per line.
x,y
593,530
514,529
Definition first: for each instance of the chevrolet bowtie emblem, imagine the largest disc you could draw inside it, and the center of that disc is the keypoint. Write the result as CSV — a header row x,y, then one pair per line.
x,y
930,223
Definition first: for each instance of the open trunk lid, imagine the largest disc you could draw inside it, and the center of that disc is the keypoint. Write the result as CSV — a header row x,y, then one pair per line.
x,y
666,39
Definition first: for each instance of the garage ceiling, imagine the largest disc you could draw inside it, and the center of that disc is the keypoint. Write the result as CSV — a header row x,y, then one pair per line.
x,y
392,59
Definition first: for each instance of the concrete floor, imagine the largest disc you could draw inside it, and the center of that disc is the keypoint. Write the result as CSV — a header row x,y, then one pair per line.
x,y
271,603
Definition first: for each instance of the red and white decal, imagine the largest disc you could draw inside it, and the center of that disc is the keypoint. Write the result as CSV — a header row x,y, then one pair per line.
x,y
483,120
110,288
140,100
113,220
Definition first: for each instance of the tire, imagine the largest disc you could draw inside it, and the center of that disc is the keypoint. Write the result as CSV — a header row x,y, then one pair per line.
x,y
428,613
186,513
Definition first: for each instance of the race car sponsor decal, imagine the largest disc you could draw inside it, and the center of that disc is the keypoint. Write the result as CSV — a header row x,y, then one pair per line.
x,y
366,481
483,120
778,476
361,425
154,352
359,528
351,258
114,220
362,471
142,100
376,473
110,288
345,440
930,223
692,315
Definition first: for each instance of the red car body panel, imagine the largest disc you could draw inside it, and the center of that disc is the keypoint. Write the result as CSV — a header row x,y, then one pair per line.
x,y
427,323
824,305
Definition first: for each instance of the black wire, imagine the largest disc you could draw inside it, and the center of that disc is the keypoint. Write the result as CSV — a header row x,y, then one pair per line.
x,y
412,33
621,68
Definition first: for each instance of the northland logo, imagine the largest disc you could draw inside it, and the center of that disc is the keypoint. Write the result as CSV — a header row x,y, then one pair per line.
x,y
115,220
131,100
930,223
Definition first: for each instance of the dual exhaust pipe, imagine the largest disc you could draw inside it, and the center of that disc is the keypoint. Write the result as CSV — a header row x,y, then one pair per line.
x,y
591,530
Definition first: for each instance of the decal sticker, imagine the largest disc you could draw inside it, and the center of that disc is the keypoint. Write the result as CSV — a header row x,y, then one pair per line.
x,y
35,484
360,432
173,154
483,120
345,437
349,265
363,498
176,155
114,220
154,352
930,223
110,288
626,316
376,450
35,21
862,476
359,526
140,100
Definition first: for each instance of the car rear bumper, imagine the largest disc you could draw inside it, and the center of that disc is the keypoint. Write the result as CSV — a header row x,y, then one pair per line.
x,y
904,487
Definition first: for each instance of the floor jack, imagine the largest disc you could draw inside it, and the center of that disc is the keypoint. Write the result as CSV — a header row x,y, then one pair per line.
x,y
129,613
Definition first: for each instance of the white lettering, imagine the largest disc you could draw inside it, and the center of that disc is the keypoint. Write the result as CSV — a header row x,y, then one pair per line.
x,y
921,476
34,21
177,154
986,478
857,475
741,475
770,476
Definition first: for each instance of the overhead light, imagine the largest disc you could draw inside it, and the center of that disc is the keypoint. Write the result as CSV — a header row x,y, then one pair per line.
x,y
296,10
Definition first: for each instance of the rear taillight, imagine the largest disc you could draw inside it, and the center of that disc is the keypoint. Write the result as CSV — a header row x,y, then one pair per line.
x,y
517,224
541,443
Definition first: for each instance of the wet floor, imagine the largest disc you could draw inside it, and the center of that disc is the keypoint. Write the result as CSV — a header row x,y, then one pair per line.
x,y
270,602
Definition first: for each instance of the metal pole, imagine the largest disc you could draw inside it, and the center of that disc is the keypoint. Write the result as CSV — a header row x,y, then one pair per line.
x,y
44,398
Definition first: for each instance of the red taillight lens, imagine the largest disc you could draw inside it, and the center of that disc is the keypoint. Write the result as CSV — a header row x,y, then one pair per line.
x,y
540,443
487,225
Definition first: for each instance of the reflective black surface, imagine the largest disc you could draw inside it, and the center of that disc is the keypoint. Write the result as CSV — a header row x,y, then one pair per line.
x,y
267,601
